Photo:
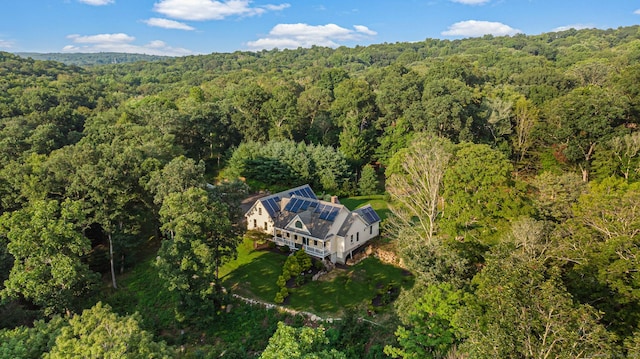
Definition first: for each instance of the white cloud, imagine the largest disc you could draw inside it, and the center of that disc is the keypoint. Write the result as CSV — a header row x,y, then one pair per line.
x,y
637,12
201,10
304,35
574,26
6,44
364,30
102,38
471,2
97,2
167,24
121,43
473,28
276,7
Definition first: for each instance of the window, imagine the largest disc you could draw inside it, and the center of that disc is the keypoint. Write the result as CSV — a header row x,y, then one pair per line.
x,y
352,238
315,243
295,237
371,230
255,223
259,211
298,224
357,236
265,225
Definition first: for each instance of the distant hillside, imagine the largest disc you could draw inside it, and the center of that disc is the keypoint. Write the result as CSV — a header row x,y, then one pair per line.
x,y
102,58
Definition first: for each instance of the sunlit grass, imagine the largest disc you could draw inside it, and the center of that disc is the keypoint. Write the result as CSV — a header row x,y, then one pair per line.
x,y
378,203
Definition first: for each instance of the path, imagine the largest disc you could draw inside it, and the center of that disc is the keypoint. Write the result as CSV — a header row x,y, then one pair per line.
x,y
309,315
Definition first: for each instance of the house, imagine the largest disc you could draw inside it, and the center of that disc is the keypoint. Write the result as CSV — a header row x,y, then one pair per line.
x,y
326,230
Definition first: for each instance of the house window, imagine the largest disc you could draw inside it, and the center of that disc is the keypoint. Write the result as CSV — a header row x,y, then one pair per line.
x,y
265,225
259,211
295,237
315,243
255,223
298,224
371,230
352,238
288,234
357,236
305,241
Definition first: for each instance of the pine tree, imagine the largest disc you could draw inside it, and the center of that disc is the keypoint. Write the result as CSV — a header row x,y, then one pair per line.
x,y
368,183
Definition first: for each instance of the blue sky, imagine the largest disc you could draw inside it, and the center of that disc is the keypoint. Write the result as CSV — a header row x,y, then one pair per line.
x,y
185,27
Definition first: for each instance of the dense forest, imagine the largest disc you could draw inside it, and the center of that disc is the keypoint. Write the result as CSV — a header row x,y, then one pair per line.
x,y
511,166
89,59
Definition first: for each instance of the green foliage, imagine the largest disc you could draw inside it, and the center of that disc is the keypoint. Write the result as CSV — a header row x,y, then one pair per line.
x,y
294,267
104,334
299,343
200,241
430,330
559,102
286,163
368,183
31,342
46,243
480,195
520,310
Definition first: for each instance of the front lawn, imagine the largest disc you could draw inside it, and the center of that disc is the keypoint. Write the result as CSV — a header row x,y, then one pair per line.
x,y
254,274
353,286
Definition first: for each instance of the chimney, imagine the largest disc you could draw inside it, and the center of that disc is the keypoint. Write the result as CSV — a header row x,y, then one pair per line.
x,y
334,199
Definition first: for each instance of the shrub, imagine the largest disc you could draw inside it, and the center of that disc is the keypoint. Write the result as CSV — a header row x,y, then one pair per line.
x,y
279,298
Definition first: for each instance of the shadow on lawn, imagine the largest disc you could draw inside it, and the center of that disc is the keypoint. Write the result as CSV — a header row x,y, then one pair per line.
x,y
257,277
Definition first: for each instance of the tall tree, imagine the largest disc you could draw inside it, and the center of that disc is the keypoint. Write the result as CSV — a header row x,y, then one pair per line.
x,y
46,243
201,239
581,119
415,185
520,309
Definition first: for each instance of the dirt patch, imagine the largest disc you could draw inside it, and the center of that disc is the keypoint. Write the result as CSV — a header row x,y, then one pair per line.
x,y
332,275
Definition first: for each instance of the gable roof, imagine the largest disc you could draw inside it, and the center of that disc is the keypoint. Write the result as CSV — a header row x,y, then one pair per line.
x,y
321,219
272,202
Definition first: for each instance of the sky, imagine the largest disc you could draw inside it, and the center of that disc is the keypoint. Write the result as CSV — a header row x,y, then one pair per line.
x,y
191,27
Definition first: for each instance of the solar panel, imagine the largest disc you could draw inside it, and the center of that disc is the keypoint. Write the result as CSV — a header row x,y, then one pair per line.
x,y
313,204
296,205
332,216
309,193
289,206
271,206
303,192
370,215
305,205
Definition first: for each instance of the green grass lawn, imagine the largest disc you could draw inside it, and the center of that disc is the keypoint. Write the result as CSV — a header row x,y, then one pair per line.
x,y
352,287
254,274
376,201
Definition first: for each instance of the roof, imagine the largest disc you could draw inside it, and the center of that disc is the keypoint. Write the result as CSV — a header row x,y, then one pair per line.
x,y
319,217
322,219
272,203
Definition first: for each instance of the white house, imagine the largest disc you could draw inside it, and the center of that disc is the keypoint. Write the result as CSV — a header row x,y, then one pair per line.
x,y
298,219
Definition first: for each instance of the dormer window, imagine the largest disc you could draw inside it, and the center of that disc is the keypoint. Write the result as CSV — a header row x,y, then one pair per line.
x,y
259,211
298,224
